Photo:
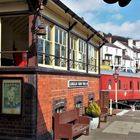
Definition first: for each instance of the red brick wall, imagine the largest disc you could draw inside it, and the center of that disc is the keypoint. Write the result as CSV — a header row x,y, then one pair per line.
x,y
54,87
24,125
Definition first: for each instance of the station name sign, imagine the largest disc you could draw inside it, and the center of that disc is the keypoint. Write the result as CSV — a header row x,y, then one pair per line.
x,y
76,84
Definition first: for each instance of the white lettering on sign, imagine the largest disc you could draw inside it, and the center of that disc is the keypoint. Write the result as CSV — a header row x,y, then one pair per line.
x,y
76,84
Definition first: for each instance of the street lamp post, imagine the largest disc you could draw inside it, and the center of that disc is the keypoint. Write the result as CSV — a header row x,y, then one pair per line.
x,y
116,87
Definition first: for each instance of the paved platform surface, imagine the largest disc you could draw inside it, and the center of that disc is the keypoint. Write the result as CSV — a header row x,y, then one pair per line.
x,y
123,126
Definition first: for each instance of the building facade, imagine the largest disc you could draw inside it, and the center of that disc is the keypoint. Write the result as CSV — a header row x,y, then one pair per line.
x,y
49,62
121,52
127,54
111,55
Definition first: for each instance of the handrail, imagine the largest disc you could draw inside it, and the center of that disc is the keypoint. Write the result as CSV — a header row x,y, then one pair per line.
x,y
62,61
51,58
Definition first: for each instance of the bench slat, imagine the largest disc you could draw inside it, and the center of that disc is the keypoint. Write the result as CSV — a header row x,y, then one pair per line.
x,y
73,123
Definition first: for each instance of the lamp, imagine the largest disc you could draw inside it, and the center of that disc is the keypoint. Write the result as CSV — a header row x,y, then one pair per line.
x,y
41,30
116,87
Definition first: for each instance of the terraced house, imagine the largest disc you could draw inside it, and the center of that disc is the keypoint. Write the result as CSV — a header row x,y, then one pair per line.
x,y
49,62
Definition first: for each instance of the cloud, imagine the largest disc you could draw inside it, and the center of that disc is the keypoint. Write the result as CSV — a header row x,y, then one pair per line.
x,y
105,17
81,6
126,29
116,16
93,10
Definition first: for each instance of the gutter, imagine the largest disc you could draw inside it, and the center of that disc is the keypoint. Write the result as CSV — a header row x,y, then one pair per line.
x,y
70,12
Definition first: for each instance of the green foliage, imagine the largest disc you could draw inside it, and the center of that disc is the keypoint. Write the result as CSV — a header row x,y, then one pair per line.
x,y
93,110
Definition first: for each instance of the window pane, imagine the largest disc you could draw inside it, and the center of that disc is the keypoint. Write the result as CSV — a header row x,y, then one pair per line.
x,y
40,51
85,46
119,84
92,58
63,51
64,38
47,52
82,55
131,85
57,55
60,47
63,55
80,46
56,34
60,36
49,33
73,52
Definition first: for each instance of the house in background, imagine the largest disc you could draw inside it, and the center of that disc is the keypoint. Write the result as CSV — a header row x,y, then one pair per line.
x,y
129,50
127,54
49,61
136,56
111,55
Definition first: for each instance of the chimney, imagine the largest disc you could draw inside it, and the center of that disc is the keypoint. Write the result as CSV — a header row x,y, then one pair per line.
x,y
109,38
137,44
130,43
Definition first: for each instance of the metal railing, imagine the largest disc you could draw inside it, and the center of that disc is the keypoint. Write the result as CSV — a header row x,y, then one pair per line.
x,y
20,58
49,59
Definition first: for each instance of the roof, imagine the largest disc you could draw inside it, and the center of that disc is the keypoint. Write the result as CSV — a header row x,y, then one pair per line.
x,y
119,38
112,45
126,44
136,41
126,57
84,23
136,50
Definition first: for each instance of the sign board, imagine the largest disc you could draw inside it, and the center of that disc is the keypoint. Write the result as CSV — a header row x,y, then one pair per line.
x,y
76,83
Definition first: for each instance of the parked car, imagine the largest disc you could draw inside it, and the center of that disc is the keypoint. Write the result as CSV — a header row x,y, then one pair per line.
x,y
129,70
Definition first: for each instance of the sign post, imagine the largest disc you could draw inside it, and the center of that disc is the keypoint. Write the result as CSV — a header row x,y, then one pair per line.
x,y
116,87
110,107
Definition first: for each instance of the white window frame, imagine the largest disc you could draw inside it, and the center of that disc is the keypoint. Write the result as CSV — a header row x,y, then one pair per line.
x,y
46,39
62,44
82,53
74,42
91,58
52,46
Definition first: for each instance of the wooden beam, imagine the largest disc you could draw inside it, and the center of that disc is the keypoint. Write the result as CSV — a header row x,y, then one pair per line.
x,y
70,28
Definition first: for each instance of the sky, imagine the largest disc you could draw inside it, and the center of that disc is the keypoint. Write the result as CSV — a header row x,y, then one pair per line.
x,y
109,18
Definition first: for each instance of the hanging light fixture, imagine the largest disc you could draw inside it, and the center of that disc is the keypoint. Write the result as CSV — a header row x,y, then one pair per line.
x,y
41,26
41,30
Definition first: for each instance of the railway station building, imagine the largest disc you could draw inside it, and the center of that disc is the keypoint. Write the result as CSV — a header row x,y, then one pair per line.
x,y
49,62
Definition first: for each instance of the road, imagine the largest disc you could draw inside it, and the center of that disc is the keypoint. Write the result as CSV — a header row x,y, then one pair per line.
x,y
125,126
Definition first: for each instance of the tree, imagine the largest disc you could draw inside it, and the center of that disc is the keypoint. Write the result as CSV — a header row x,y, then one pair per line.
x,y
122,3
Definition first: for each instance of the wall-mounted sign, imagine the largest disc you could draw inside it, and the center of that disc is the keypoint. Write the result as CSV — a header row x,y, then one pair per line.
x,y
11,96
76,84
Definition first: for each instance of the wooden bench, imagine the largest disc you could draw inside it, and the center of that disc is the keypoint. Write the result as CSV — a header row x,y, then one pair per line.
x,y
103,116
69,124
